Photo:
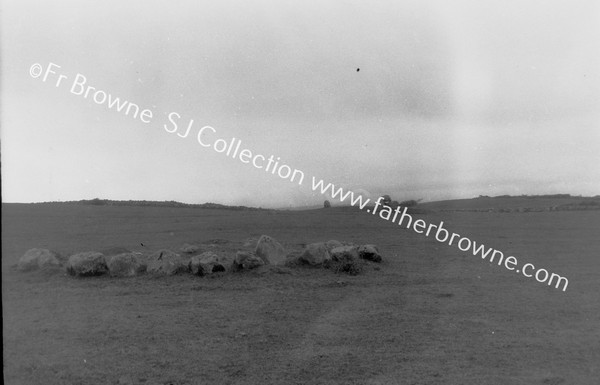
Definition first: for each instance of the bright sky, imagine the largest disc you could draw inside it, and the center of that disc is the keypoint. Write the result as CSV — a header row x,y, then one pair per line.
x,y
452,100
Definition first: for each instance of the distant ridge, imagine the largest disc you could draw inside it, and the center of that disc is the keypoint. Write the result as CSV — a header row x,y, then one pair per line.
x,y
520,203
144,203
501,203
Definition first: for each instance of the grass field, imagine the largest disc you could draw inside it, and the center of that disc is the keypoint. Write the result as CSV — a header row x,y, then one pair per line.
x,y
430,315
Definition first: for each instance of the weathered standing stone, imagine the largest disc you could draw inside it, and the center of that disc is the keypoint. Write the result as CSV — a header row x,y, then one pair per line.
x,y
38,259
167,262
369,252
126,265
206,263
315,254
344,253
246,260
87,264
270,251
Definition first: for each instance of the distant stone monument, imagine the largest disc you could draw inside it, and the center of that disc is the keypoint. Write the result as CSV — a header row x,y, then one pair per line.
x,y
326,204
386,200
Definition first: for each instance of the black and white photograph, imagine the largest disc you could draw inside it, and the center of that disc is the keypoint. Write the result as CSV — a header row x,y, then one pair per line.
x,y
344,192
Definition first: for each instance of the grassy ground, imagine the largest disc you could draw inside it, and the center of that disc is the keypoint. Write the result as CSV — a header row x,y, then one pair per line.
x,y
430,315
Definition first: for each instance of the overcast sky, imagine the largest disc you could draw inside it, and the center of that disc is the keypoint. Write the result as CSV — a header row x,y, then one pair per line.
x,y
453,98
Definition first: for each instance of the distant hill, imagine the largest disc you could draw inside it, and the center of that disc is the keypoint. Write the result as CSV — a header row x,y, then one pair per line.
x,y
144,203
502,203
522,203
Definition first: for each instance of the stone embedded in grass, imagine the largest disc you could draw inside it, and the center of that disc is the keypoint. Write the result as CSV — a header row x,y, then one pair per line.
x,y
189,249
87,264
315,254
344,253
34,259
167,262
246,260
126,265
369,252
270,251
206,264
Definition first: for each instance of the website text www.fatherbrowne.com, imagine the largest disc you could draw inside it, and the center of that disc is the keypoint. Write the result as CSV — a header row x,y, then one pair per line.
x,y
401,216
208,137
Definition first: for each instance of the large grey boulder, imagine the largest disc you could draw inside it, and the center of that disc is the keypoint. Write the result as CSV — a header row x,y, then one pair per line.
x,y
34,259
270,251
206,263
126,265
86,264
315,254
167,262
369,252
246,260
344,253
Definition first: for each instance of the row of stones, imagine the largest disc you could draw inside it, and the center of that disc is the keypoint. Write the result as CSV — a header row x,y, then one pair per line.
x,y
268,251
